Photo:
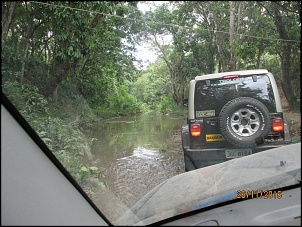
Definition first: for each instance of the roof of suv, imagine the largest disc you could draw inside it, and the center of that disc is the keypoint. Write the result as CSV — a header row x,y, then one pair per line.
x,y
243,72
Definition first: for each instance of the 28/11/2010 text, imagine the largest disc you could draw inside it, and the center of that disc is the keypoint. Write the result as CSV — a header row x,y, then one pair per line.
x,y
259,194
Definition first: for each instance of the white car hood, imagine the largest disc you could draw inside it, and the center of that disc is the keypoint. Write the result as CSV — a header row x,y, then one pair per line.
x,y
270,169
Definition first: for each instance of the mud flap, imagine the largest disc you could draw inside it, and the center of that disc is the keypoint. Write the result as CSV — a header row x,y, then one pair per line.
x,y
185,138
287,136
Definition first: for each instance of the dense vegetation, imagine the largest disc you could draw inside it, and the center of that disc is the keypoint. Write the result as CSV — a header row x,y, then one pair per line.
x,y
66,63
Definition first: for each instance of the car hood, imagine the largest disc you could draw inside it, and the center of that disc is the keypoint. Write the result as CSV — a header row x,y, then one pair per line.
x,y
270,169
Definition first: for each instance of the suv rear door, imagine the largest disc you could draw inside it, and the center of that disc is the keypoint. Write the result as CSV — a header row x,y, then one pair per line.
x,y
211,95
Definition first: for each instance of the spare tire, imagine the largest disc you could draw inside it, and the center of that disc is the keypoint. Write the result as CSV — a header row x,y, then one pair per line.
x,y
244,121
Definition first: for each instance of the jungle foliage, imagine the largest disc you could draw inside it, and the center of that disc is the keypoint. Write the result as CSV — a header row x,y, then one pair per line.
x,y
89,47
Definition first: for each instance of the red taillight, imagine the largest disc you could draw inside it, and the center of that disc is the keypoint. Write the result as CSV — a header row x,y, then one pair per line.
x,y
230,77
277,125
195,130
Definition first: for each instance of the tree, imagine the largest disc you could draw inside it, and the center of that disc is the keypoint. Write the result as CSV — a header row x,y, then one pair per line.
x,y
85,43
8,12
161,17
286,17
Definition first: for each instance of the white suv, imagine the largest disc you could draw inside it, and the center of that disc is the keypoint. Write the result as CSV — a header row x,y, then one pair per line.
x,y
231,115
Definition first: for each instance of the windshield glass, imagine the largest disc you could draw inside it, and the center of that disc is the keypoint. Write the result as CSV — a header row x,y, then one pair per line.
x,y
113,117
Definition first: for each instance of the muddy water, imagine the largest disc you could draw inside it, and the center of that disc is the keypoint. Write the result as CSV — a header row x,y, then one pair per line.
x,y
137,153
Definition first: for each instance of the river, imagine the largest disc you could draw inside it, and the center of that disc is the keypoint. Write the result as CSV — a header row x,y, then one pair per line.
x,y
136,153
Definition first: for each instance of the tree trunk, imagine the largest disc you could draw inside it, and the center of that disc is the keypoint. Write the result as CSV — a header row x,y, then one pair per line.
x,y
182,77
211,63
221,52
28,35
239,41
60,70
25,54
175,73
232,37
286,78
7,15
286,74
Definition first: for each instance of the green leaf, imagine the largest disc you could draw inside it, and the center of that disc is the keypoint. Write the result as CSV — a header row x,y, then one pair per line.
x,y
46,140
94,168
84,169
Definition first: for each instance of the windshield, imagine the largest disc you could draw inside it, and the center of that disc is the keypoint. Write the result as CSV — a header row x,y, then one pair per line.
x,y
113,118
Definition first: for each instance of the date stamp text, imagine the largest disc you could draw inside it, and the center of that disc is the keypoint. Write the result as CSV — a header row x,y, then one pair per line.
x,y
259,194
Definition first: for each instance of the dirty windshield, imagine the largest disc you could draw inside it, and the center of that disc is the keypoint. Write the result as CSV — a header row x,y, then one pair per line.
x,y
103,83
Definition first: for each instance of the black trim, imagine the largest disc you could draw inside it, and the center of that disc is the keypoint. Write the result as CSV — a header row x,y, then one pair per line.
x,y
254,78
208,83
180,216
29,130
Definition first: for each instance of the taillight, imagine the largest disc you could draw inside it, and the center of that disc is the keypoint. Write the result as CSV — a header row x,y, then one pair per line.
x,y
195,130
230,77
277,124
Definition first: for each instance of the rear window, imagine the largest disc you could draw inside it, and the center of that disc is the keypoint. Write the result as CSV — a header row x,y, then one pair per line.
x,y
220,91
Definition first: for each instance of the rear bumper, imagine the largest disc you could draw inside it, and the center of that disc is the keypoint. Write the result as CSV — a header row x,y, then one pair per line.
x,y
199,158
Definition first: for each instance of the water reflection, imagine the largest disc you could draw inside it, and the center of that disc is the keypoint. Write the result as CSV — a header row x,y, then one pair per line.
x,y
142,153
137,153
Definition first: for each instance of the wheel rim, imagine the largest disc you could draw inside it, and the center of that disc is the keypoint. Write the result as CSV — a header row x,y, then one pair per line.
x,y
245,122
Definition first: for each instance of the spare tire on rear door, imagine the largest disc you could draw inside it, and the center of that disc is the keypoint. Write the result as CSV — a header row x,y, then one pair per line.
x,y
244,121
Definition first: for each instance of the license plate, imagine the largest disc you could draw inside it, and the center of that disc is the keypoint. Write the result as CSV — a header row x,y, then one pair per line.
x,y
214,137
205,113
237,153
